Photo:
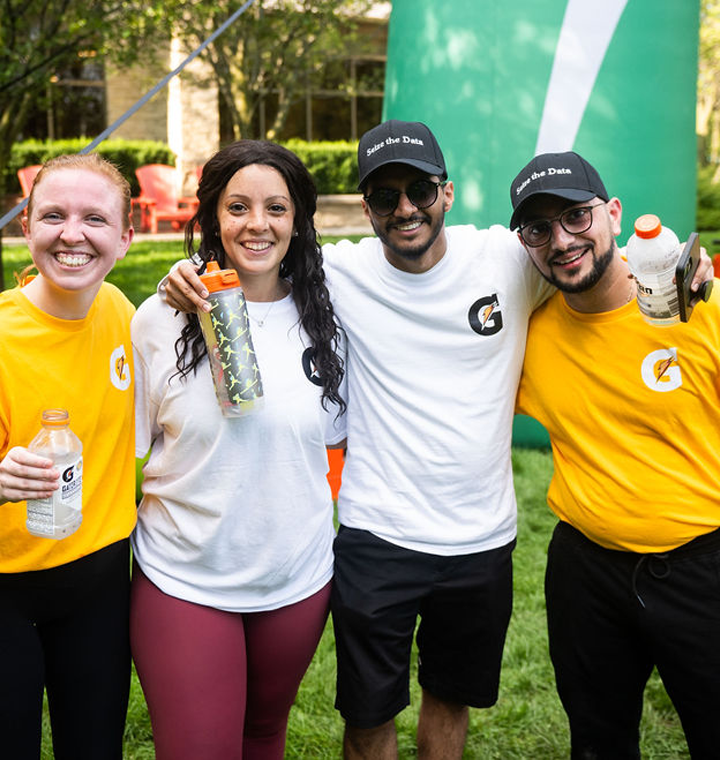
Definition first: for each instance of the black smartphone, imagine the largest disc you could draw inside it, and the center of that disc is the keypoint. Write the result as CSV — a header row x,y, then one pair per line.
x,y
684,273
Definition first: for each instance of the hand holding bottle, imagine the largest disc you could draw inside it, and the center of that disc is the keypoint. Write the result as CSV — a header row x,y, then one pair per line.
x,y
226,329
24,475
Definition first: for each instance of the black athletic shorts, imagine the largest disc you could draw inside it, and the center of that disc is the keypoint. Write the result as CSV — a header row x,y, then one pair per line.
x,y
380,589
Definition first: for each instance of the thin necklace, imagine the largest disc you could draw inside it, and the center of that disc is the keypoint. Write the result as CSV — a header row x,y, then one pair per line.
x,y
261,322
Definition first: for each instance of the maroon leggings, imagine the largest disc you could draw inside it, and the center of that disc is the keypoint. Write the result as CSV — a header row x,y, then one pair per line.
x,y
219,685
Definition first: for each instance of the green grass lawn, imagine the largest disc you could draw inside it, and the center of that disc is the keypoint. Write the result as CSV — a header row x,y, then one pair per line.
x,y
527,723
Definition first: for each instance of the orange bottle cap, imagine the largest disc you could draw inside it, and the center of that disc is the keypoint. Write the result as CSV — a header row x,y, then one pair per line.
x,y
216,279
648,226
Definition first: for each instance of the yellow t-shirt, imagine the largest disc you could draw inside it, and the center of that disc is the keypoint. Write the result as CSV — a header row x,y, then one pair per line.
x,y
633,413
84,366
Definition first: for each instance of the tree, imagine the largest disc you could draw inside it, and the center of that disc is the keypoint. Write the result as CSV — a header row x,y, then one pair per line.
x,y
277,46
708,96
39,38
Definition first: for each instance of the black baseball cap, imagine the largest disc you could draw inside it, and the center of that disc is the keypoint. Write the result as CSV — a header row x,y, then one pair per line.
x,y
567,175
399,142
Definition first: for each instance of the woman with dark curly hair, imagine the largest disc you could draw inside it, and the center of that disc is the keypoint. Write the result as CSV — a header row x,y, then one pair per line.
x,y
233,549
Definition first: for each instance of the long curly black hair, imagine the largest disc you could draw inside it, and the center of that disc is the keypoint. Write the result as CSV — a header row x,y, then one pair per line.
x,y
302,265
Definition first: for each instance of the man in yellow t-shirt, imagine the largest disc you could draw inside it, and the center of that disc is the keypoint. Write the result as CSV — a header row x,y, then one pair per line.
x,y
633,413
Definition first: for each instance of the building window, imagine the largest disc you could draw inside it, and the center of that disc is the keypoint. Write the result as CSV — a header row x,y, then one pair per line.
x,y
74,103
345,104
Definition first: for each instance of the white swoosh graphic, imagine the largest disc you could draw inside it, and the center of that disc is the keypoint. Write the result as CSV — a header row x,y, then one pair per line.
x,y
587,30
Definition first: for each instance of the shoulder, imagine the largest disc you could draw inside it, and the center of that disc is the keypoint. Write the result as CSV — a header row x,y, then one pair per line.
x,y
346,251
11,315
154,313
495,255
548,313
110,296
8,299
705,317
495,240
156,326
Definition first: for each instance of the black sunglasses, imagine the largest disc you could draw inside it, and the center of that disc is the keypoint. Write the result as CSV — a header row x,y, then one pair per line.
x,y
421,193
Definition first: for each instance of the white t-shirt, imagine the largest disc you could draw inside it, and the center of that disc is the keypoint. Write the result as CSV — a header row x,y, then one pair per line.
x,y
236,512
433,361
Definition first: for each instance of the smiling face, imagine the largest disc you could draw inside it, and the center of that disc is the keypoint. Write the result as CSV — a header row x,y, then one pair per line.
x,y
76,231
256,216
574,263
413,238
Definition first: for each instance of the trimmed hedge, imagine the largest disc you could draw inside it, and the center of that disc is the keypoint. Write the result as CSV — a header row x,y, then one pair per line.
x,y
127,155
333,165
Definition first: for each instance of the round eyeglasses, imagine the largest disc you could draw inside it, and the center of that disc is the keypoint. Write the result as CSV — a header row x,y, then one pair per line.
x,y
422,193
574,221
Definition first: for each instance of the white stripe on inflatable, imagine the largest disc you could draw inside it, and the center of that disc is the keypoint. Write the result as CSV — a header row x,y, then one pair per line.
x,y
587,30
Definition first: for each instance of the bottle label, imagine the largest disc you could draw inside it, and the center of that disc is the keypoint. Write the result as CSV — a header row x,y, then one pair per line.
x,y
71,485
658,303
46,516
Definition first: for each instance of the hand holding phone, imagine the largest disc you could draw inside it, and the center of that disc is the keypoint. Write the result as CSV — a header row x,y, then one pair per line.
x,y
684,274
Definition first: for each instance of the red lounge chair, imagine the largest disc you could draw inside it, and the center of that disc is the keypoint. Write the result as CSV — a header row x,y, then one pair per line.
x,y
159,200
27,175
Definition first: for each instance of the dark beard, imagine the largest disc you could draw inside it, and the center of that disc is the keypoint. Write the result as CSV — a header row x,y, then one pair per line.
x,y
600,265
411,254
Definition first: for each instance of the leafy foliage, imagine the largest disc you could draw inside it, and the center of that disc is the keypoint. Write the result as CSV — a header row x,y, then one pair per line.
x,y
333,165
708,91
277,46
708,199
41,37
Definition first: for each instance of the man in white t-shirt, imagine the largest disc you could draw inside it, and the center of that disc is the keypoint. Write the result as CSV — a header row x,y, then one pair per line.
x,y
436,320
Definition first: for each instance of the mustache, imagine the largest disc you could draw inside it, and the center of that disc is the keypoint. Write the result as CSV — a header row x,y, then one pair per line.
x,y
396,220
573,249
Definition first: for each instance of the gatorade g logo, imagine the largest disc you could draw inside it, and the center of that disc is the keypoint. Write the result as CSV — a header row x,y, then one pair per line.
x,y
485,316
72,471
660,370
119,369
309,368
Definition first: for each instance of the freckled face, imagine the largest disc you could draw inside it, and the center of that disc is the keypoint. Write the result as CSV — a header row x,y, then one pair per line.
x,y
256,217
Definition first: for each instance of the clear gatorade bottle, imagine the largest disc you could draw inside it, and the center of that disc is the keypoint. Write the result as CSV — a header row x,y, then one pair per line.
x,y
652,255
226,330
59,515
